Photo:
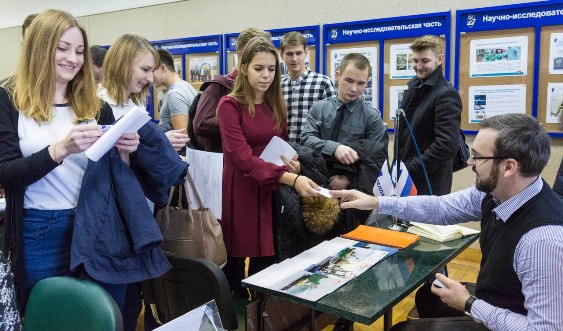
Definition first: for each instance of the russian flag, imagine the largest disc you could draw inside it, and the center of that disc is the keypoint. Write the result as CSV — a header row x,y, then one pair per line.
x,y
404,186
384,186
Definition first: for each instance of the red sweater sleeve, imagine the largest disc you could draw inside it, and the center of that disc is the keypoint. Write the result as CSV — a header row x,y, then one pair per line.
x,y
236,149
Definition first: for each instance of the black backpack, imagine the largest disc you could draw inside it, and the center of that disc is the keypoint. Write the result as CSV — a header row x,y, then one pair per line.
x,y
221,80
462,155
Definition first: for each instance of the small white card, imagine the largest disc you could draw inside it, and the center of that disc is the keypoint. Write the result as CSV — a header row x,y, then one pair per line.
x,y
277,147
438,283
324,192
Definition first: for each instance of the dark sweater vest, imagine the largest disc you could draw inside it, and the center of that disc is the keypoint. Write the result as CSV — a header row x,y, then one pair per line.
x,y
497,282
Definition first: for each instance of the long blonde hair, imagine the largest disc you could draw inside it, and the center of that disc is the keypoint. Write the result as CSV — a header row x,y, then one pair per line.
x,y
243,92
117,67
34,84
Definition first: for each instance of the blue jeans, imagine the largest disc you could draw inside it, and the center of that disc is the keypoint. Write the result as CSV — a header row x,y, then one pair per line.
x,y
47,236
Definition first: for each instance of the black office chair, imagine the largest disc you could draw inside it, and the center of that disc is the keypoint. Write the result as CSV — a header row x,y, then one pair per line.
x,y
189,284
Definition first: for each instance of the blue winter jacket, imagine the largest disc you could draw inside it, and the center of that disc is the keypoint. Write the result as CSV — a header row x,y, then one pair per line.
x,y
115,236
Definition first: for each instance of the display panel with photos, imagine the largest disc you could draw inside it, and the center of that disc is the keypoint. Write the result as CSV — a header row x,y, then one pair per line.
x,y
550,89
159,92
495,74
201,68
335,54
196,60
510,60
398,58
310,33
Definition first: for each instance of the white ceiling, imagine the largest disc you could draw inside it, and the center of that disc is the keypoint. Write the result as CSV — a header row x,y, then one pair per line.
x,y
14,12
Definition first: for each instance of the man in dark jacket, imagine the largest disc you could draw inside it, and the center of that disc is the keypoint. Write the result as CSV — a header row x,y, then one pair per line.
x,y
433,109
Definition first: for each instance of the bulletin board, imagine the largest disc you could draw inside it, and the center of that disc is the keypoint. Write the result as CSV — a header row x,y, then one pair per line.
x,y
370,50
550,95
382,34
537,78
158,92
196,60
395,85
311,34
480,93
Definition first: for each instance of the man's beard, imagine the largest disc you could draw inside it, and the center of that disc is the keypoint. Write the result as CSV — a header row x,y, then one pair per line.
x,y
489,184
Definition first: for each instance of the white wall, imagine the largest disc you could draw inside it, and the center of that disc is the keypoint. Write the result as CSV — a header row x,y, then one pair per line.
x,y
205,17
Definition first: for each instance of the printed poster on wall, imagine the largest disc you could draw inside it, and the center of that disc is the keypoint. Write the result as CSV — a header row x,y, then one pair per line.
x,y
496,57
554,102
492,100
395,98
400,62
178,64
556,54
336,55
202,69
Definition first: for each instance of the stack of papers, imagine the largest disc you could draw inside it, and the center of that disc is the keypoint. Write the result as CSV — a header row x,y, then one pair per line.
x,y
441,233
322,269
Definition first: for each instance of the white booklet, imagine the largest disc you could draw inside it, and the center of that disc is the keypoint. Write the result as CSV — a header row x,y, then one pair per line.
x,y
275,148
441,233
132,121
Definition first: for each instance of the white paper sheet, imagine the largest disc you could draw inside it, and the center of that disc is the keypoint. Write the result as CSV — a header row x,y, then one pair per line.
x,y
554,102
132,121
204,317
206,169
506,56
275,148
401,58
2,204
491,100
556,54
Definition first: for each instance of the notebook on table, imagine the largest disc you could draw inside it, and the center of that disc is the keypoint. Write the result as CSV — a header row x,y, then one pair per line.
x,y
441,233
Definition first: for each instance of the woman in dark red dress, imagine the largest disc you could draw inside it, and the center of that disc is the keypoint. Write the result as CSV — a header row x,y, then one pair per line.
x,y
249,117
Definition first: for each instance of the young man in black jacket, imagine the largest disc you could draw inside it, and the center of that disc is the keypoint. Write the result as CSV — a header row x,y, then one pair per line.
x,y
433,109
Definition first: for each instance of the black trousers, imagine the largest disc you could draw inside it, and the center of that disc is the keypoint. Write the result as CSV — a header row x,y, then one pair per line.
x,y
436,315
234,270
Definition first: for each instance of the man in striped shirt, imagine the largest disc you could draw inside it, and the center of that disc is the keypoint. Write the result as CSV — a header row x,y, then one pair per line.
x,y
520,284
301,86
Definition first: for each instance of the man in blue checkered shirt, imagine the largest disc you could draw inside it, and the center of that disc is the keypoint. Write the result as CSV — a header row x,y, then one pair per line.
x,y
301,86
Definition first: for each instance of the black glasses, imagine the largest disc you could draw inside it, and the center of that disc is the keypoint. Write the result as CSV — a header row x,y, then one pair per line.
x,y
488,157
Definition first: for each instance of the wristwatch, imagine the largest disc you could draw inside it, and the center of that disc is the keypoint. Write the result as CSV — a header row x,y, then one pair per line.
x,y
468,304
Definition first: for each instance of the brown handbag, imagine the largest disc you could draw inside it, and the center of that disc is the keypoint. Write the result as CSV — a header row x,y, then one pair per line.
x,y
191,232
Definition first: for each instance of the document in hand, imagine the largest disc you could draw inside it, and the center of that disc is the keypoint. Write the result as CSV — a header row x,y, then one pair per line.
x,y
276,147
380,236
441,233
132,121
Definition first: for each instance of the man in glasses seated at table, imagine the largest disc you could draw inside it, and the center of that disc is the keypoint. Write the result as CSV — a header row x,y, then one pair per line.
x,y
520,283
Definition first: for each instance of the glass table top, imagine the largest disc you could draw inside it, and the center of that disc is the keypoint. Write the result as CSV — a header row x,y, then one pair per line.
x,y
368,296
